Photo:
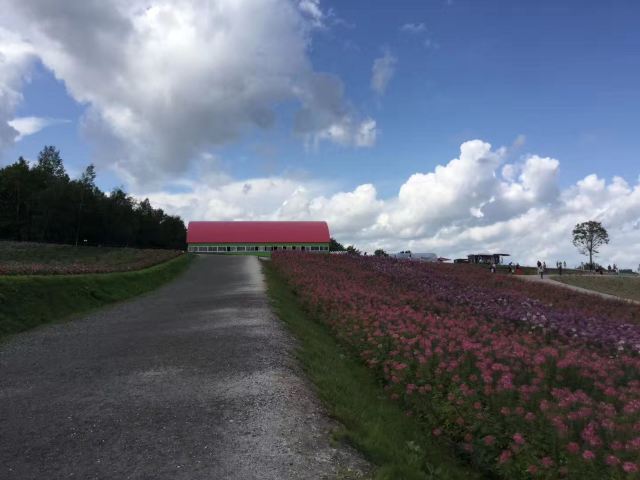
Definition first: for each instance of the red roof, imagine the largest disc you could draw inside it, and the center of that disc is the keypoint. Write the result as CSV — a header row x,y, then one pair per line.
x,y
258,232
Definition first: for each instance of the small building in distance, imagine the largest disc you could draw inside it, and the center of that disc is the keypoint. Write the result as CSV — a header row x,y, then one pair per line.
x,y
257,238
418,257
486,258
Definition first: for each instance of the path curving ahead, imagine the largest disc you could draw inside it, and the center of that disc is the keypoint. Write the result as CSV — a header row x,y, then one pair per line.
x,y
193,381
550,280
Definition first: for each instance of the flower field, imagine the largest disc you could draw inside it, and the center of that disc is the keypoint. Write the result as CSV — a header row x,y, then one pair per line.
x,y
524,380
27,258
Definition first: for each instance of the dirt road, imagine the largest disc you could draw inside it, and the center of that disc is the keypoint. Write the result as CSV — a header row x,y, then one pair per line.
x,y
193,381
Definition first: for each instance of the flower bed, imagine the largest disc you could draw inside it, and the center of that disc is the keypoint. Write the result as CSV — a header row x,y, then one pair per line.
x,y
524,381
43,259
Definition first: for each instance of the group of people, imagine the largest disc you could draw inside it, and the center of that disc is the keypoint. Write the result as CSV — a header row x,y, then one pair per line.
x,y
542,268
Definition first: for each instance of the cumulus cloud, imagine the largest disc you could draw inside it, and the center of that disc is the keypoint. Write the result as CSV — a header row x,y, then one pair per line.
x,y
312,9
167,80
474,202
348,132
26,126
382,71
16,57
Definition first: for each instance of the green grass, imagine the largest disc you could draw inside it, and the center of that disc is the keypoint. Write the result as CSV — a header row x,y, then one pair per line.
x,y
27,301
621,286
30,257
396,444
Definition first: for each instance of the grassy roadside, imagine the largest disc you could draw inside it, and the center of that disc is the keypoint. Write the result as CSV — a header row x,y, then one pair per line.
x,y
393,442
31,300
620,286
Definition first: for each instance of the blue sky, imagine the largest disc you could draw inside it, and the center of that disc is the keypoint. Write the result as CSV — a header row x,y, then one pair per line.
x,y
546,79
564,74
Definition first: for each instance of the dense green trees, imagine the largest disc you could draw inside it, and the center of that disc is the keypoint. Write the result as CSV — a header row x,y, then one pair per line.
x,y
335,246
41,203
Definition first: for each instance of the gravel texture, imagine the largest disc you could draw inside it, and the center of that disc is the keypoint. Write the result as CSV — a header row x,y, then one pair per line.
x,y
193,381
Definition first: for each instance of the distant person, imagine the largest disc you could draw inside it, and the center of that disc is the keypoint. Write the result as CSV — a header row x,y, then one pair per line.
x,y
493,268
544,266
539,264
564,264
560,268
541,271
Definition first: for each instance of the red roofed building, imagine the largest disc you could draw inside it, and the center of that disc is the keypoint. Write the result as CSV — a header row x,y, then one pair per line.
x,y
257,238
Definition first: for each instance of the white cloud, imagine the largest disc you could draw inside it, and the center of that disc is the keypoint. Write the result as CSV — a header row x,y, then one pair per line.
x,y
16,57
382,71
167,80
474,202
311,8
26,126
413,28
347,132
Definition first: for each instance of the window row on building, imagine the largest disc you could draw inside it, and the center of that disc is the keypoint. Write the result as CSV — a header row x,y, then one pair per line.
x,y
254,248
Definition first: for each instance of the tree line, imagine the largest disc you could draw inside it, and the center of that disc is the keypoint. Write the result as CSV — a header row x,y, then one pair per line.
x,y
40,203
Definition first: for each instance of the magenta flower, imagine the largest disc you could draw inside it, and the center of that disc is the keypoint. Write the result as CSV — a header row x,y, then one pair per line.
x,y
612,460
518,439
504,457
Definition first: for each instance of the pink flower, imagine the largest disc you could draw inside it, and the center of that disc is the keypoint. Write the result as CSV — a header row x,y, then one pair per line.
x,y
489,440
436,432
588,455
573,447
612,460
504,457
532,469
518,438
630,467
547,462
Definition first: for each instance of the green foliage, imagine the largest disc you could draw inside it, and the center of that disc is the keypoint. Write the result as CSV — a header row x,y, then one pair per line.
x,y
40,203
335,246
378,427
27,301
588,237
353,250
380,253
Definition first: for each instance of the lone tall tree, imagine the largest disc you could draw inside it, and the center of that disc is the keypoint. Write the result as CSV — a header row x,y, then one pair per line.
x,y
588,237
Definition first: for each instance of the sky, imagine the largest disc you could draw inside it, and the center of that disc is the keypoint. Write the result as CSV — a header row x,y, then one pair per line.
x,y
447,126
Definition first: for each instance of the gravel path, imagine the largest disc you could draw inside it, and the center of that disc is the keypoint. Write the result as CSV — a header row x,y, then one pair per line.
x,y
193,381
550,281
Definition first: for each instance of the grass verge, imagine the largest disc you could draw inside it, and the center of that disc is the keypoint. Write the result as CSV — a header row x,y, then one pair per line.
x,y
400,448
32,300
624,287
